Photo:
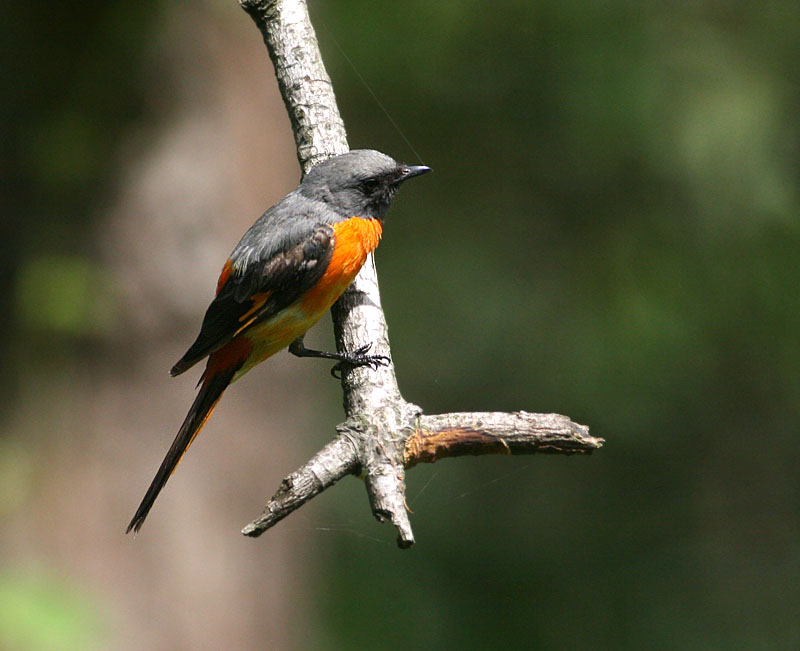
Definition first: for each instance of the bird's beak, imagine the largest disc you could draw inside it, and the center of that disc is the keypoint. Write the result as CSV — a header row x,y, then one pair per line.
x,y
413,170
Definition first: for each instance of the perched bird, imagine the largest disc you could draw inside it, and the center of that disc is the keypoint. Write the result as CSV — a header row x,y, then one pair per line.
x,y
283,275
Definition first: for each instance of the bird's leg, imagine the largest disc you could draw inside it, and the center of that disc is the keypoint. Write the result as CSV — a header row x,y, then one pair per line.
x,y
358,357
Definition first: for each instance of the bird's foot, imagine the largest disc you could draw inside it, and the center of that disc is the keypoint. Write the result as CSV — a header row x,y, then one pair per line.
x,y
358,358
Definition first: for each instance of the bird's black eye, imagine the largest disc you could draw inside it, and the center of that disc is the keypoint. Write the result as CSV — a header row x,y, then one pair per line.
x,y
369,185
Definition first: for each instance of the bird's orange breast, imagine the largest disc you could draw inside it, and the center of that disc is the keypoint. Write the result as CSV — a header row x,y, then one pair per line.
x,y
354,240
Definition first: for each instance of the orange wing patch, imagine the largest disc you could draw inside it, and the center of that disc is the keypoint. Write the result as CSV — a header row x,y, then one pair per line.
x,y
258,303
227,270
354,240
251,315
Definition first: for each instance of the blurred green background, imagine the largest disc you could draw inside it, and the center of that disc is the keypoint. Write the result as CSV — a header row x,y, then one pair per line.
x,y
611,233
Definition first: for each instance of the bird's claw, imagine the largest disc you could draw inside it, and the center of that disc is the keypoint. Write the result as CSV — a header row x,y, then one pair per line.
x,y
358,358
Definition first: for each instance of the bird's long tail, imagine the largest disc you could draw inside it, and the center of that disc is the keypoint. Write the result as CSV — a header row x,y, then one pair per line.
x,y
214,382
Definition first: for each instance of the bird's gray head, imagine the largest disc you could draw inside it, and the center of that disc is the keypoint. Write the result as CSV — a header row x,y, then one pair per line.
x,y
360,183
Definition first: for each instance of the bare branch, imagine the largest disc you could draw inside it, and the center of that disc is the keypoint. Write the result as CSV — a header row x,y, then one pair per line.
x,y
455,435
383,434
303,81
337,459
435,437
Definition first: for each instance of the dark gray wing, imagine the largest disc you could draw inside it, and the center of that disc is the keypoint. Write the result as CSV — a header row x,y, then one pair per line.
x,y
254,287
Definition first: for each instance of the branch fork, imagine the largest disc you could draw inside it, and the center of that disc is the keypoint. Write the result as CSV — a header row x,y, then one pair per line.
x,y
383,434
